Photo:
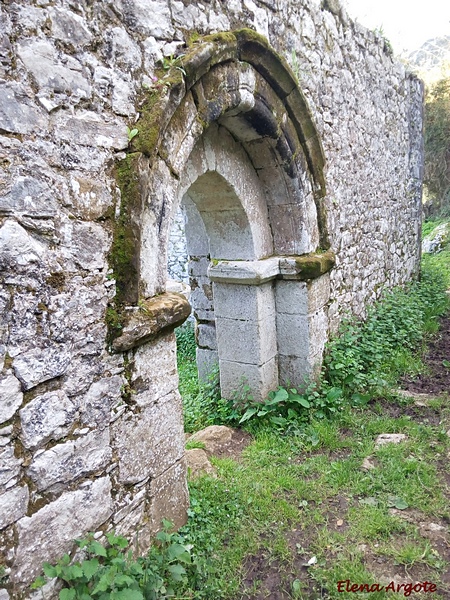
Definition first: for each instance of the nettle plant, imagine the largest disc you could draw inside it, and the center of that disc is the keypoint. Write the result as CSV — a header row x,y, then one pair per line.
x,y
111,572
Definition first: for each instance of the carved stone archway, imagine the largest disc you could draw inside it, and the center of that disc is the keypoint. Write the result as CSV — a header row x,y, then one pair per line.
x,y
229,132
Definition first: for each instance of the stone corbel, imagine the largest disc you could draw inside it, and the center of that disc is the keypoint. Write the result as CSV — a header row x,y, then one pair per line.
x,y
153,317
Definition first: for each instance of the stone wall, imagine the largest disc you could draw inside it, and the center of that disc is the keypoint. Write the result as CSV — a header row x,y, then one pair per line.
x,y
91,427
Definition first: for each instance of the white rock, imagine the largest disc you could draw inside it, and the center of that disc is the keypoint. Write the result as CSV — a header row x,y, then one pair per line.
x,y
13,505
11,397
40,364
389,438
17,247
9,465
50,532
46,417
69,461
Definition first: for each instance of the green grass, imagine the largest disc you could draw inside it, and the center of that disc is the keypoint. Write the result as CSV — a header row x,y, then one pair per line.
x,y
440,261
294,497
287,489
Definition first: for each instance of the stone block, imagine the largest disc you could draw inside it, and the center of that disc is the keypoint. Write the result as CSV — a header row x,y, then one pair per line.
x,y
169,497
203,314
253,272
11,396
296,371
182,134
47,417
129,519
318,292
155,22
250,342
198,266
9,466
154,370
151,442
41,364
318,331
123,50
291,297
235,377
90,129
40,58
154,317
69,27
69,461
206,361
206,336
18,114
293,335
197,240
289,230
198,464
13,505
17,247
30,196
49,533
201,293
86,244
96,404
249,302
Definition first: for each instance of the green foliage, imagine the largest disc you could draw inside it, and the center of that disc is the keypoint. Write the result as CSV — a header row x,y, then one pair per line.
x,y
437,146
132,133
288,410
111,572
439,261
185,342
202,402
365,358
175,62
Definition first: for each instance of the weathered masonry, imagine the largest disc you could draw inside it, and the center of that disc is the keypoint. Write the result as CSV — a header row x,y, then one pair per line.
x,y
292,140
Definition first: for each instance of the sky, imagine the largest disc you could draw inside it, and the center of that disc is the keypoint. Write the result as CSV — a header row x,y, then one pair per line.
x,y
407,24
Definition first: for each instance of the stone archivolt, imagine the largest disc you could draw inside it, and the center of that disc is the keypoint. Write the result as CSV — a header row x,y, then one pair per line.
x,y
229,134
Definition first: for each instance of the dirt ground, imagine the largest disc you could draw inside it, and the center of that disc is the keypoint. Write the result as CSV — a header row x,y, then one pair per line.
x,y
437,380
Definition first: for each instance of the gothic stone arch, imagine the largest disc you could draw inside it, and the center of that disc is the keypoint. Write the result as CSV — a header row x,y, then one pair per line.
x,y
230,135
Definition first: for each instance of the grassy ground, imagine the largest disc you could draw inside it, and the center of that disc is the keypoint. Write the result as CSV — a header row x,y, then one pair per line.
x,y
298,499
294,515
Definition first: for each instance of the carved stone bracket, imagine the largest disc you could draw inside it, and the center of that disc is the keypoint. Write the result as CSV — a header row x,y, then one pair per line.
x,y
153,317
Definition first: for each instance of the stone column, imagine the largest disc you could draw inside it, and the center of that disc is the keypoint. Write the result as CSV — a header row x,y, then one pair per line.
x,y
302,321
244,308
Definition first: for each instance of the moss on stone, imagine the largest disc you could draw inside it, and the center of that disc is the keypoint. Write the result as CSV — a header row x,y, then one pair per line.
x,y
311,266
124,254
156,108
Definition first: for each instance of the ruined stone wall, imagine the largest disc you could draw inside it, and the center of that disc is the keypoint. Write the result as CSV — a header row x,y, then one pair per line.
x,y
91,439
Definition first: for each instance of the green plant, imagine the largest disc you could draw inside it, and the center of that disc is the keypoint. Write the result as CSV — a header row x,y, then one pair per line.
x,y
367,355
110,572
175,62
192,443
437,146
186,345
132,133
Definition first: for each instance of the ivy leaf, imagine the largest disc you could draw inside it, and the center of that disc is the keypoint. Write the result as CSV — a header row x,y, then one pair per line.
x,y
67,594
